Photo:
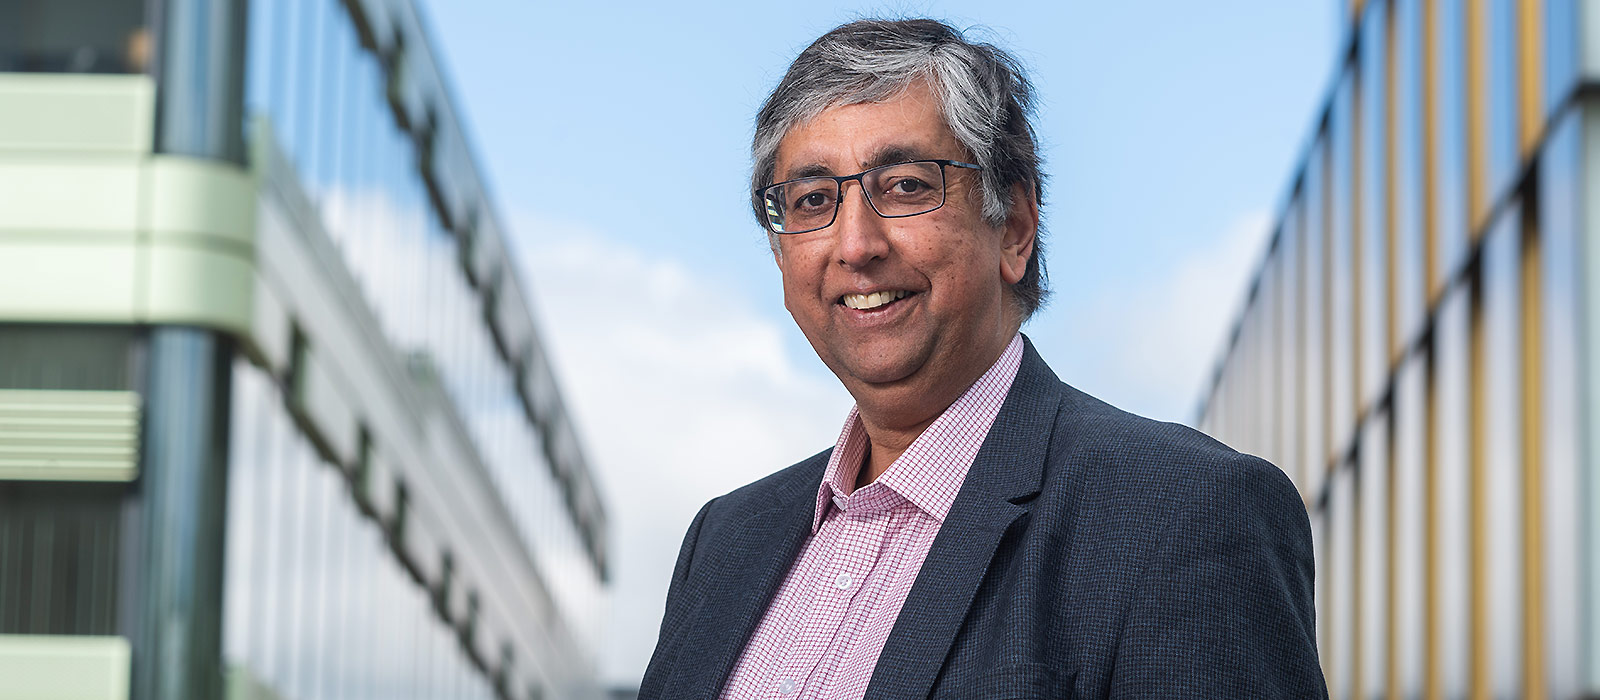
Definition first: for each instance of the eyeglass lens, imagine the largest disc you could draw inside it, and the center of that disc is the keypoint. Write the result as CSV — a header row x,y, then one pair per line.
x,y
902,189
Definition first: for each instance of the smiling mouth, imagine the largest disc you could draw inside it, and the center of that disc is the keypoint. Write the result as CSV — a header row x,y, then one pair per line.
x,y
868,302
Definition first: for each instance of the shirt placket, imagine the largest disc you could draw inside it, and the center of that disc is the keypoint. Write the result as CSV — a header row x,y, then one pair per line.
x,y
852,662
850,585
822,617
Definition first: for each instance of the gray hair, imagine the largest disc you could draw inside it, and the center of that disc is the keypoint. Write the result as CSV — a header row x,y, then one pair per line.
x,y
983,92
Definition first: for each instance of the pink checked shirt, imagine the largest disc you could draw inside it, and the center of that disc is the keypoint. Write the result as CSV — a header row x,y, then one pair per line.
x,y
821,637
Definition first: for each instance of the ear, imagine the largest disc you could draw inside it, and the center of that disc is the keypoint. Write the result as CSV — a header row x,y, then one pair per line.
x,y
1021,228
777,252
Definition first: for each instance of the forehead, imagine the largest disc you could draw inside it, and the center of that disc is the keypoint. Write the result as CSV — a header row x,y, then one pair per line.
x,y
852,137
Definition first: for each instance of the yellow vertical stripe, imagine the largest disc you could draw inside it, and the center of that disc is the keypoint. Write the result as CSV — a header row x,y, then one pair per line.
x,y
1530,82
1433,281
1477,87
1533,682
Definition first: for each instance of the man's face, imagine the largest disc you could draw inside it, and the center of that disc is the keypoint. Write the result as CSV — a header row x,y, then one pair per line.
x,y
950,267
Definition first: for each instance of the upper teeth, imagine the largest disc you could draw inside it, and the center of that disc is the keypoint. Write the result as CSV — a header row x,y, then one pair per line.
x,y
873,300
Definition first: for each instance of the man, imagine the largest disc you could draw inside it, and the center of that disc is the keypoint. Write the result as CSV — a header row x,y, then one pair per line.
x,y
980,530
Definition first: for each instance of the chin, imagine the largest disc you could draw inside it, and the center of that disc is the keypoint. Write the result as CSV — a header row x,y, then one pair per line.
x,y
880,371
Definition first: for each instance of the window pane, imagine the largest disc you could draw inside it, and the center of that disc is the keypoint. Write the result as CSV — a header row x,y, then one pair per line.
x,y
1504,102
1562,499
1341,271
1450,197
1373,298
1409,294
1373,524
74,36
1313,377
1410,505
1291,348
1451,495
1503,461
1341,579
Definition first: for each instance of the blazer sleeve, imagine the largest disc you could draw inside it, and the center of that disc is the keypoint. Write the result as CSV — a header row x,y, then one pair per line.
x,y
676,614
1225,608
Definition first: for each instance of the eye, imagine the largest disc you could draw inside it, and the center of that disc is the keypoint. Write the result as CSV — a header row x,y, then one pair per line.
x,y
813,200
909,185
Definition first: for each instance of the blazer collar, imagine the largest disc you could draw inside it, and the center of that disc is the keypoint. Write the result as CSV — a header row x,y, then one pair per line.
x,y
750,569
1007,473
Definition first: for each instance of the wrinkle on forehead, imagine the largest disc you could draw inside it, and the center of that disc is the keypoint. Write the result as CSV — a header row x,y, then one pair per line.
x,y
888,154
913,101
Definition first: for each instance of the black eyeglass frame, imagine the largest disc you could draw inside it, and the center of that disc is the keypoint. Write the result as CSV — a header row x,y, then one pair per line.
x,y
838,184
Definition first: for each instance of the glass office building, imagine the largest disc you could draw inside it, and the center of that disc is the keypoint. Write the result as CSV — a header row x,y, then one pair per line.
x,y
1418,351
275,421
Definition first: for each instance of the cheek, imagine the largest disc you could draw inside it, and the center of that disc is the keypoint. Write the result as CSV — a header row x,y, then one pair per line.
x,y
801,277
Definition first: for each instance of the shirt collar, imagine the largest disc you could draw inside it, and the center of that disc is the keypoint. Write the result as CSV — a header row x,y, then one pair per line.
x,y
930,472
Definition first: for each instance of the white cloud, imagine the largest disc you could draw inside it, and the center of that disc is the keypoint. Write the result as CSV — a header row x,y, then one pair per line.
x,y
1162,336
682,391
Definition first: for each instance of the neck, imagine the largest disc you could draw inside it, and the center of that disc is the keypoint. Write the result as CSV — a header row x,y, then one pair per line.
x,y
892,425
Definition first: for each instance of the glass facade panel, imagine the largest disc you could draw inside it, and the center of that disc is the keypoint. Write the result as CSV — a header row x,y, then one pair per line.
x,y
1372,299
74,36
1313,311
1409,297
332,614
1267,406
1290,348
1410,538
1340,266
69,357
1342,612
1504,101
1452,493
330,116
1502,479
1561,55
1455,523
1372,522
1562,499
1450,140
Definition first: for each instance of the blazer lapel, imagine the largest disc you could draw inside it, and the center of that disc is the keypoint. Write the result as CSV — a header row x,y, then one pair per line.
x,y
1008,470
751,568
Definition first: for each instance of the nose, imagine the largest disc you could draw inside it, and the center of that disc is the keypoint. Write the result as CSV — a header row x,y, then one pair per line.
x,y
859,233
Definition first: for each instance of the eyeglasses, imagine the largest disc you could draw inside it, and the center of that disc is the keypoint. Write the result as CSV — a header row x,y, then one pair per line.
x,y
894,191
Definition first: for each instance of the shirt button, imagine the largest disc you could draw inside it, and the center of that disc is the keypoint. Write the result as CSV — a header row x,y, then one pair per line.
x,y
843,582
786,687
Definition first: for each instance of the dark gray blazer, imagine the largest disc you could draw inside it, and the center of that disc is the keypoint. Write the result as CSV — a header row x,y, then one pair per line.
x,y
1091,553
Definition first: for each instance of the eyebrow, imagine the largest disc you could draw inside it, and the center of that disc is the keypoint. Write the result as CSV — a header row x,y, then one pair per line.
x,y
886,155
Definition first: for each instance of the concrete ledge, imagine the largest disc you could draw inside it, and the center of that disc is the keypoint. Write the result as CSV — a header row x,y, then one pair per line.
x,y
80,113
64,668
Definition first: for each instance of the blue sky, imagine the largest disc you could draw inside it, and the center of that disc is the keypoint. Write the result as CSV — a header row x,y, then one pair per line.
x,y
1170,131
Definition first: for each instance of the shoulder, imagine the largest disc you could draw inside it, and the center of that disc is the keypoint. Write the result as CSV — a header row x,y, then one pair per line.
x,y
778,489
1136,481
1106,447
